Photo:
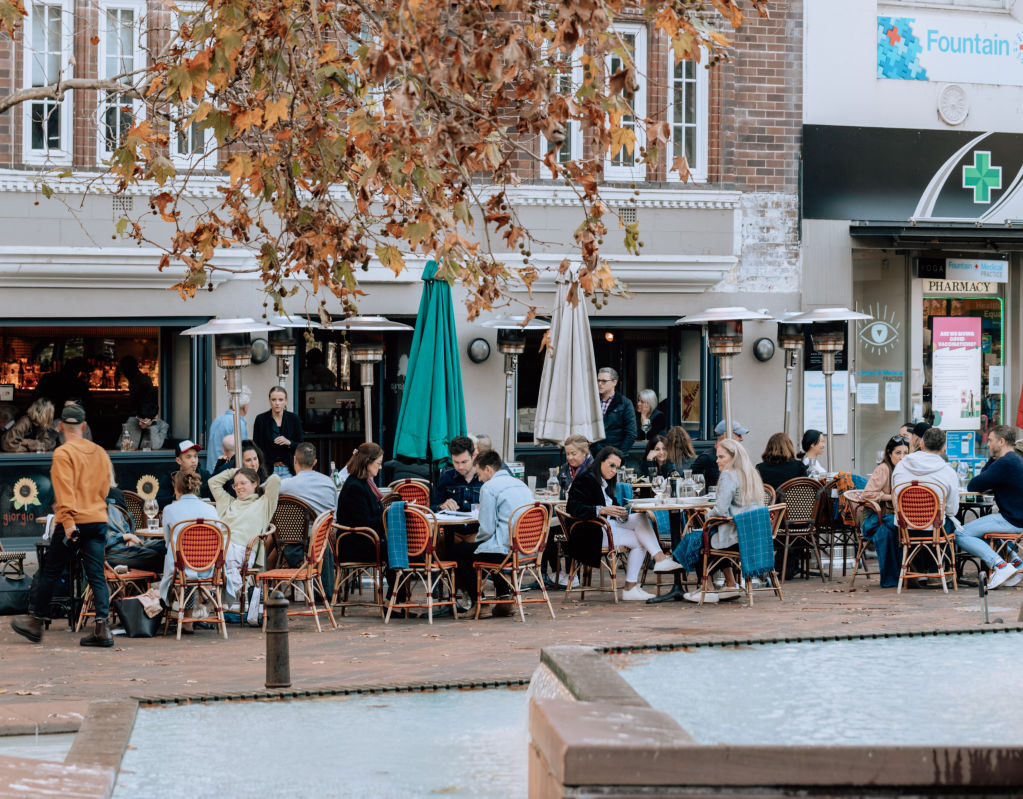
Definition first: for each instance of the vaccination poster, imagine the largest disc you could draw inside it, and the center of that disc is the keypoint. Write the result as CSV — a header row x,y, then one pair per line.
x,y
955,379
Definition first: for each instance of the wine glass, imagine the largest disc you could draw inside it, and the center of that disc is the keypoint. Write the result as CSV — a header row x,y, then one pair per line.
x,y
658,484
151,510
701,484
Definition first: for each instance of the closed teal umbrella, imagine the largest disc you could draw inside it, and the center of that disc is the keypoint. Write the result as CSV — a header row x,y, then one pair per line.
x,y
432,408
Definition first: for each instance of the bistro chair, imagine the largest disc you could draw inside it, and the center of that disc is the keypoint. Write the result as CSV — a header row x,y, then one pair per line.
x,y
799,527
920,509
248,569
348,578
715,559
308,574
136,507
12,564
834,530
199,548
121,584
528,537
608,556
864,507
424,566
769,495
292,520
412,491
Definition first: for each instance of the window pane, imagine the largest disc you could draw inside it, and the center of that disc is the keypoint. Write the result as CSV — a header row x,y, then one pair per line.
x,y
691,144
38,115
53,126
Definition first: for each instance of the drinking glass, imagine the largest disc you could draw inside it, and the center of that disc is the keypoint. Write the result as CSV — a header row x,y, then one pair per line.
x,y
701,484
531,482
151,510
650,472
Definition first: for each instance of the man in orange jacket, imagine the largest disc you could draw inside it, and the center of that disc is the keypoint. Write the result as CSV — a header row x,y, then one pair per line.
x,y
81,481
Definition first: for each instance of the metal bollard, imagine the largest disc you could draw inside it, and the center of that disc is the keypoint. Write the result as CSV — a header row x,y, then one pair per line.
x,y
982,589
278,658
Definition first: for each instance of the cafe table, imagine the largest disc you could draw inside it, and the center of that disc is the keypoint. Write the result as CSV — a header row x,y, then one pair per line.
x,y
687,508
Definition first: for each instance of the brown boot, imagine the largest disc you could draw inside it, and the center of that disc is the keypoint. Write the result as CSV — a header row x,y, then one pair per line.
x,y
28,626
100,636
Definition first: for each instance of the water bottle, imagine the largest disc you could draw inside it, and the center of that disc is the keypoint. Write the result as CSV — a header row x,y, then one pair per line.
x,y
962,472
335,475
688,484
126,444
553,486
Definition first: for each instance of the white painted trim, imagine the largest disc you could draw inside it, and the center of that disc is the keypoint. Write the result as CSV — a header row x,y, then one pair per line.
x,y
61,156
698,169
139,60
638,170
197,161
576,135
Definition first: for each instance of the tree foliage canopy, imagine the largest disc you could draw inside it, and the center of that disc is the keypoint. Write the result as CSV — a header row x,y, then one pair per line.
x,y
354,129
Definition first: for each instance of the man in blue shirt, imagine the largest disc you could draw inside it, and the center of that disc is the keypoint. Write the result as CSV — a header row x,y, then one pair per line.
x,y
224,425
458,487
500,495
1002,474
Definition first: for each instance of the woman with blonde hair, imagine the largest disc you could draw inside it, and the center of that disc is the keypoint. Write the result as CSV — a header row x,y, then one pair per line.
x,y
739,489
679,448
34,431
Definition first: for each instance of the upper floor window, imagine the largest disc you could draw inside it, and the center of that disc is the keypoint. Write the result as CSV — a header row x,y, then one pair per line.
x,y
121,53
47,53
188,140
568,78
625,163
687,116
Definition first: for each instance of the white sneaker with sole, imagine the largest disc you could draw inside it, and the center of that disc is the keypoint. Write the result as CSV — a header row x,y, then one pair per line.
x,y
999,576
1014,580
636,594
563,580
667,565
709,598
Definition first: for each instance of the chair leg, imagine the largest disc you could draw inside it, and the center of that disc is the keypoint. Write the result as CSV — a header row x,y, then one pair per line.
x,y
568,583
429,597
902,567
398,581
181,609
785,557
516,576
87,604
479,592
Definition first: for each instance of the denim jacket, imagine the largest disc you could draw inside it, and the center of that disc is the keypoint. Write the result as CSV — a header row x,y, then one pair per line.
x,y
500,495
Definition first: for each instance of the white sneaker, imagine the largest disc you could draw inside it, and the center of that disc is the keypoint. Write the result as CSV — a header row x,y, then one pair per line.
x,y
709,598
563,580
636,594
1014,580
667,565
999,576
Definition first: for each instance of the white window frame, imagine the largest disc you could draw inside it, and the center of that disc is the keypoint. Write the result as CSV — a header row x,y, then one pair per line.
x,y
195,158
138,60
62,154
575,128
996,6
698,166
637,171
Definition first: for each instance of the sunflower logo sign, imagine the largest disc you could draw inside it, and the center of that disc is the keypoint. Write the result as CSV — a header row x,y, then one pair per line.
x,y
147,486
26,494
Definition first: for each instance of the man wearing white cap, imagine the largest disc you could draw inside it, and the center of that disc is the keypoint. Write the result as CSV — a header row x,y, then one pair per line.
x,y
706,464
187,456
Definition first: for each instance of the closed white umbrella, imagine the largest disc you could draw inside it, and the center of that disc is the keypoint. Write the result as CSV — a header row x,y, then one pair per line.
x,y
568,403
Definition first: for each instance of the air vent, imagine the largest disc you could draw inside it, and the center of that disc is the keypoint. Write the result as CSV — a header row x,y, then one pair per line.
x,y
123,205
627,213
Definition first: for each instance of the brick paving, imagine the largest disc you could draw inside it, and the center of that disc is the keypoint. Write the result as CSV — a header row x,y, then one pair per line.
x,y
364,652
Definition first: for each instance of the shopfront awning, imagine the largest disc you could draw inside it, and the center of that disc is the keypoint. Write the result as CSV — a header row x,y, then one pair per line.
x,y
937,235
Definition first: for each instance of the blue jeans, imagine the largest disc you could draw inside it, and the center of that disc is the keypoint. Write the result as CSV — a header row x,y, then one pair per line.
x,y
91,540
970,538
885,536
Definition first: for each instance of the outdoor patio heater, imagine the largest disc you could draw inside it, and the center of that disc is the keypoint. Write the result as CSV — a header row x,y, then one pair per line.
x,y
367,356
790,339
827,332
232,344
284,343
511,341
724,339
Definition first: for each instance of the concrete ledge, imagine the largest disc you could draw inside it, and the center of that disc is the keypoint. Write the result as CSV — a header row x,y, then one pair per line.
x,y
30,718
21,778
104,734
589,677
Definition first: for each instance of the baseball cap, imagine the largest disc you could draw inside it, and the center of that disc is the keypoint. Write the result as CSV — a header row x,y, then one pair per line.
x,y
73,414
186,445
737,428
920,428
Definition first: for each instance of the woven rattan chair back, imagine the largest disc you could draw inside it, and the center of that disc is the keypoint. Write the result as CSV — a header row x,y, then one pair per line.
x,y
200,544
530,531
413,492
136,507
800,499
778,511
769,495
292,521
419,531
919,507
320,538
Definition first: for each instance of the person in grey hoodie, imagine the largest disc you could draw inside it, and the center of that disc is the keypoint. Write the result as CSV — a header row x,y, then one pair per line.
x,y
927,466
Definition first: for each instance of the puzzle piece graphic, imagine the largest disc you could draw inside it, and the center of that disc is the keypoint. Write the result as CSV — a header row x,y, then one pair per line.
x,y
898,50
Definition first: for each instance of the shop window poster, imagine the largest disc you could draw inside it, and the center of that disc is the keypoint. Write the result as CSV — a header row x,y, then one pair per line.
x,y
956,372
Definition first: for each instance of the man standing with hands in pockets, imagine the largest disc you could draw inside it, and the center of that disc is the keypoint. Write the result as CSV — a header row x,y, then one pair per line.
x,y
81,480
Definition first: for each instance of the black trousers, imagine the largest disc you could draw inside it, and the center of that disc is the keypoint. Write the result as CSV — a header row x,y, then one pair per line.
x,y
464,552
91,540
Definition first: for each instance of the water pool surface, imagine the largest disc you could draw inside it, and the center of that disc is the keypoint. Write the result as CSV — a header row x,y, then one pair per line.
x,y
450,743
53,747
935,690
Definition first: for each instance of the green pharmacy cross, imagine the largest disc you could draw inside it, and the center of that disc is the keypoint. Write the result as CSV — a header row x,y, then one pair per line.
x,y
982,177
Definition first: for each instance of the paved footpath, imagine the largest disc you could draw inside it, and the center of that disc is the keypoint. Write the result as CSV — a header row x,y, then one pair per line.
x,y
364,652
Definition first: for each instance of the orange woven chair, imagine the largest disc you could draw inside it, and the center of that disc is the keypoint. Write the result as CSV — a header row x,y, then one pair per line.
x,y
528,537
308,574
423,565
348,578
800,519
412,492
199,548
920,508
609,558
136,507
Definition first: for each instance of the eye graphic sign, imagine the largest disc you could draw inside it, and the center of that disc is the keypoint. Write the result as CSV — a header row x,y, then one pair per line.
x,y
947,48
